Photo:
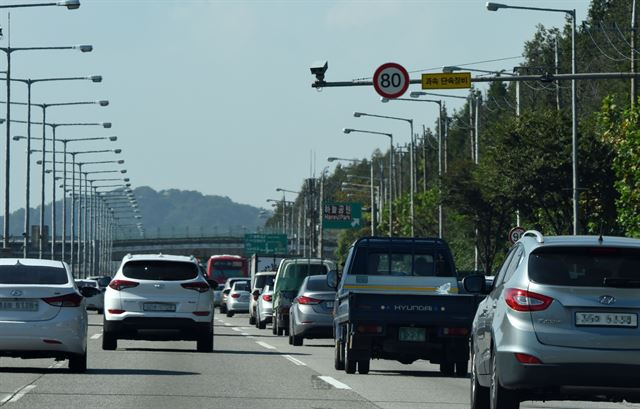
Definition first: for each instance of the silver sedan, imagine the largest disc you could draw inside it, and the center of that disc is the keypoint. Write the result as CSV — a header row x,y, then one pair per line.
x,y
264,309
310,315
238,299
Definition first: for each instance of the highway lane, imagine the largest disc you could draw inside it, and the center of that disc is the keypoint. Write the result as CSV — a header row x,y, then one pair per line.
x,y
250,368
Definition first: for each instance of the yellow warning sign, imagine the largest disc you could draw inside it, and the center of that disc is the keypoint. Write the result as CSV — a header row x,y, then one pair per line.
x,y
446,80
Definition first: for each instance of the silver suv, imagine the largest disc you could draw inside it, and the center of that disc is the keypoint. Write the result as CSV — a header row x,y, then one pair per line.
x,y
559,323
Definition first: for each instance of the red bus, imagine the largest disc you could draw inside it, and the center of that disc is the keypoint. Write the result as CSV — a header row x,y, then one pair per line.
x,y
221,267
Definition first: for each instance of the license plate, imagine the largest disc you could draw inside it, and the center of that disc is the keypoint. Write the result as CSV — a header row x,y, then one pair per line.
x,y
18,305
329,304
157,306
606,319
412,334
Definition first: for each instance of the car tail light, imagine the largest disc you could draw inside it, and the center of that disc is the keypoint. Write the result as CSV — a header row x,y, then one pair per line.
x,y
198,286
123,284
201,313
235,295
528,359
369,329
455,331
116,312
67,300
267,297
523,300
308,300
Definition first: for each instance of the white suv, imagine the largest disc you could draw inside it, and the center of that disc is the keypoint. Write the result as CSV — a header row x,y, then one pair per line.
x,y
159,297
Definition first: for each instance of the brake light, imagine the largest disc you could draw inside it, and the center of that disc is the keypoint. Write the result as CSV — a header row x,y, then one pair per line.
x,y
198,286
528,359
455,331
523,300
67,300
119,285
267,297
201,313
308,300
116,312
370,328
235,295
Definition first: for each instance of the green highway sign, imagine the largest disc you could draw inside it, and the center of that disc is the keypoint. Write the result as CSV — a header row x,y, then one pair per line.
x,y
342,215
265,244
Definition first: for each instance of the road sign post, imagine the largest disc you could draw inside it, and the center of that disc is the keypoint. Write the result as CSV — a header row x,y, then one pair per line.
x,y
342,216
391,80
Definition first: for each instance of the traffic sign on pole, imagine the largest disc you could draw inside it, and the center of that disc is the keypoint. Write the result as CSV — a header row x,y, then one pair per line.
x,y
516,234
446,80
342,215
391,80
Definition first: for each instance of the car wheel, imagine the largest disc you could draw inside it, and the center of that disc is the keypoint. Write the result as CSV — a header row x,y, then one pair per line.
x,y
296,340
252,320
349,363
229,313
338,358
78,363
446,368
101,311
274,324
462,369
499,397
205,342
363,366
223,309
256,322
262,324
479,393
109,341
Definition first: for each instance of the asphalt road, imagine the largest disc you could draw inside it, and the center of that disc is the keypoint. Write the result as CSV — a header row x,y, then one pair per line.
x,y
250,368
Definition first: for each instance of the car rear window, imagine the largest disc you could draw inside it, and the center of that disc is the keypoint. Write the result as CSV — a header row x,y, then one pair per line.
x,y
584,266
318,284
383,262
241,286
21,274
261,281
160,270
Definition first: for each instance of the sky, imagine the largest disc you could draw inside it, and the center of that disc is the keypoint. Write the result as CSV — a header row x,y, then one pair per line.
x,y
216,96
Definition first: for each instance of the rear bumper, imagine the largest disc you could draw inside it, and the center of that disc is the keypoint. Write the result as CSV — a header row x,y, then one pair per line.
x,y
237,306
157,328
314,331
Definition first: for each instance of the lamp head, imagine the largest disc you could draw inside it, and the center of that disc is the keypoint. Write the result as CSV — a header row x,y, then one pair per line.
x,y
384,100
358,114
117,151
450,68
38,162
70,4
416,94
85,48
2,120
113,138
95,78
17,138
106,124
121,162
347,130
126,179
47,171
103,103
495,6
124,171
128,185
331,159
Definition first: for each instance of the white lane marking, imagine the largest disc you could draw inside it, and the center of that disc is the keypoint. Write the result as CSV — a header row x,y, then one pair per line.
x,y
244,334
16,396
96,336
236,329
265,345
333,382
227,324
250,337
294,360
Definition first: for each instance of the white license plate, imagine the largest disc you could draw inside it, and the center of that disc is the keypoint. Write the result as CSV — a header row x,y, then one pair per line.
x,y
157,306
329,304
18,305
411,334
606,319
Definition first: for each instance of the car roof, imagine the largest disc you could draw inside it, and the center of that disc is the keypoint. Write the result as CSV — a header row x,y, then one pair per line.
x,y
30,262
536,239
159,257
266,273
319,277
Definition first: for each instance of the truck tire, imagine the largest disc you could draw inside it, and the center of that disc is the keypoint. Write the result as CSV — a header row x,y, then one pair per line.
x,y
274,323
462,369
109,341
338,358
363,366
349,363
446,368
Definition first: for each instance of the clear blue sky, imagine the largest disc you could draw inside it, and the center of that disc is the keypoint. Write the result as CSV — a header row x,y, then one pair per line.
x,y
215,96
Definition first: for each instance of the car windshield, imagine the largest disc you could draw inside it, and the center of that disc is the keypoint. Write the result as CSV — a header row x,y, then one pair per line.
x,y
23,274
160,270
295,273
584,266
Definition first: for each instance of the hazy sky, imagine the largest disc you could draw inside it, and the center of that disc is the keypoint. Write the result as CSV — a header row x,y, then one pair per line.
x,y
215,96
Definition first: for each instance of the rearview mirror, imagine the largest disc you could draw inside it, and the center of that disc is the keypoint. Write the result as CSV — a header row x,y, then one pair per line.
x,y
332,279
474,284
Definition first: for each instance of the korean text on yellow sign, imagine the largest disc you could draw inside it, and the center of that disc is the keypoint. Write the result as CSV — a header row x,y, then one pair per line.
x,y
445,80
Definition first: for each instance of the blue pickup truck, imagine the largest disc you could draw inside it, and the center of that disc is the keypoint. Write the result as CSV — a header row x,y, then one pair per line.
x,y
399,299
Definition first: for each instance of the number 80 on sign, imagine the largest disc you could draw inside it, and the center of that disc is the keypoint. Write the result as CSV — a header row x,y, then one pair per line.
x,y
391,80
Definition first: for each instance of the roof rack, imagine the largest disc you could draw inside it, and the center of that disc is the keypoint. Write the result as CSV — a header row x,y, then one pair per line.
x,y
129,255
539,237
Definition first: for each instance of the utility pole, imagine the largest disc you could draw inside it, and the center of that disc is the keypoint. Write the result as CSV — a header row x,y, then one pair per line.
x,y
633,52
558,82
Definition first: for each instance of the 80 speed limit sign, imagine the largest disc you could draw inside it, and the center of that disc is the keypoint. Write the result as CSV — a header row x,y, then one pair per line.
x,y
391,80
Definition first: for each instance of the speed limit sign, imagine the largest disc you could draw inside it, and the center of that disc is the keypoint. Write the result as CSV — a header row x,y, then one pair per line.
x,y
391,80
516,234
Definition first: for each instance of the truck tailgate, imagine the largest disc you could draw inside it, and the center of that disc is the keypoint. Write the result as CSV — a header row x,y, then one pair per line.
x,y
419,310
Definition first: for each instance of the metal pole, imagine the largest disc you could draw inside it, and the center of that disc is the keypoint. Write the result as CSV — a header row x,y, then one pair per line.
x,y
44,147
92,216
7,156
471,130
78,258
477,130
574,125
73,210
440,170
84,225
634,29
373,205
53,192
390,186
424,159
558,82
27,207
412,181
64,200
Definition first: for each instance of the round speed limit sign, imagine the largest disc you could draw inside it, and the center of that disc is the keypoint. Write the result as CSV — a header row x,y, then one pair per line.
x,y
516,234
391,80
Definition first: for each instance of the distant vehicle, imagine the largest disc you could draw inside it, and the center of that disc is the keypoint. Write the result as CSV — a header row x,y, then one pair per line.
x,y
103,281
222,267
398,299
259,281
217,295
291,274
259,263
238,298
560,322
311,313
42,312
97,301
264,309
227,289
158,296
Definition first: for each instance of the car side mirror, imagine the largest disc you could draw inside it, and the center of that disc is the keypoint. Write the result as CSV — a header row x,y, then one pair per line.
x,y
87,292
227,291
474,284
212,283
256,292
332,279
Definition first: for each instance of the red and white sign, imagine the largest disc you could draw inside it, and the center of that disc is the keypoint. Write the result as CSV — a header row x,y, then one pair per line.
x,y
516,234
391,80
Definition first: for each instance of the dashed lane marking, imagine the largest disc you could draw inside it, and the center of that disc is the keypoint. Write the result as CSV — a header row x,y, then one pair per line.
x,y
333,382
265,345
227,324
244,334
17,395
297,362
96,336
236,329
